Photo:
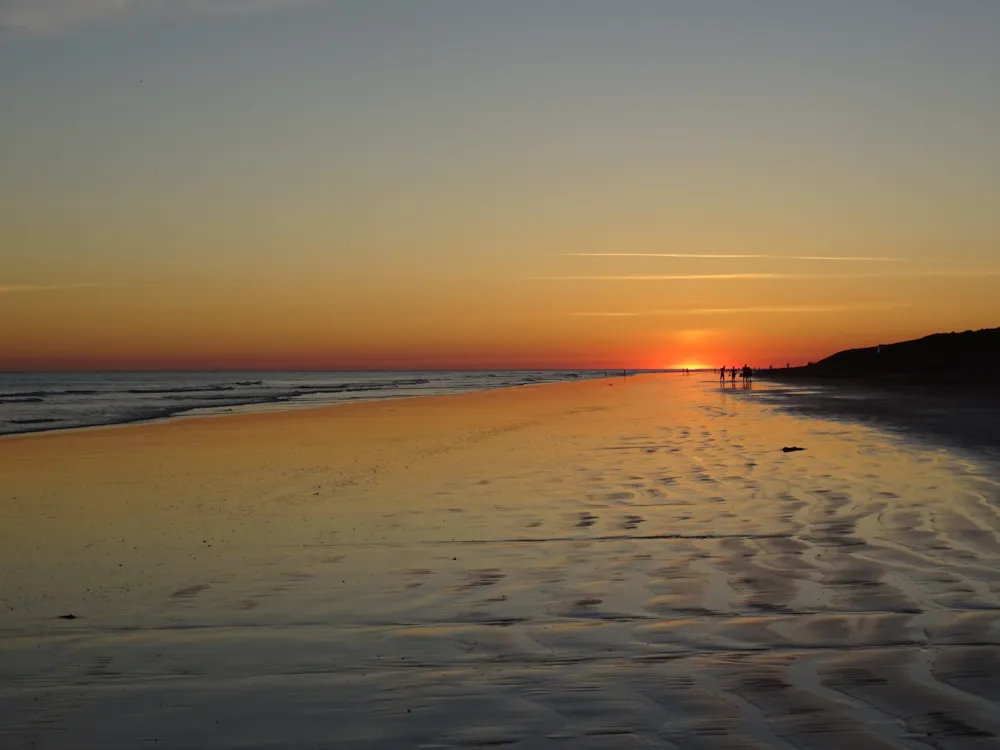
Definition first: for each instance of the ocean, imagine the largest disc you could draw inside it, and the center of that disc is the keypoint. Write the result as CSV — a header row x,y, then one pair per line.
x,y
35,402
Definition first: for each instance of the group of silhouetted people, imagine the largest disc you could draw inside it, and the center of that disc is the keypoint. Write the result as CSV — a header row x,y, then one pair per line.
x,y
746,372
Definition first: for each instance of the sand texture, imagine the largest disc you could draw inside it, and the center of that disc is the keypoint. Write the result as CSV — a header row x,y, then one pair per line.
x,y
630,563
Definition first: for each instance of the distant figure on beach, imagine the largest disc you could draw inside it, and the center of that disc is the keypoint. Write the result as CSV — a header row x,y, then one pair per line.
x,y
722,374
732,374
747,374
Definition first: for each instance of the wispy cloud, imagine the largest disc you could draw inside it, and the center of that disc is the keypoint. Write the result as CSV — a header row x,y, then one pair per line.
x,y
785,276
25,288
54,15
732,256
784,310
677,277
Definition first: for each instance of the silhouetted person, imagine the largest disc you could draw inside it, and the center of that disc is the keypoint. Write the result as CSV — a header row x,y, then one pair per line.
x,y
732,374
722,374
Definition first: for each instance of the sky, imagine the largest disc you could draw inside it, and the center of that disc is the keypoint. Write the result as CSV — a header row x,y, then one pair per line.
x,y
339,184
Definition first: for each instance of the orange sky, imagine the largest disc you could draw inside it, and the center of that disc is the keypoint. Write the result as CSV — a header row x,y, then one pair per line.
x,y
526,322
382,187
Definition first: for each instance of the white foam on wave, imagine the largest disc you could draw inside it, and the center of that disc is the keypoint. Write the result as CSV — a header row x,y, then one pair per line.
x,y
34,402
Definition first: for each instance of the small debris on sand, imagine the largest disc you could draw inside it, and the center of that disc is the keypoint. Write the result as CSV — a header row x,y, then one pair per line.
x,y
791,449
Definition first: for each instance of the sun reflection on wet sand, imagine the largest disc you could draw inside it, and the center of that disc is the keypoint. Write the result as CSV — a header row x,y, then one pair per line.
x,y
610,564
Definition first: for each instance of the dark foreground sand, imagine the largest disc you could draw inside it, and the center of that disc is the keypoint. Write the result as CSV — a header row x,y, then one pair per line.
x,y
964,417
591,565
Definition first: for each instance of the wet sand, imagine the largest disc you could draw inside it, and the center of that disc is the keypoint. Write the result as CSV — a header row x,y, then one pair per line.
x,y
630,563
964,417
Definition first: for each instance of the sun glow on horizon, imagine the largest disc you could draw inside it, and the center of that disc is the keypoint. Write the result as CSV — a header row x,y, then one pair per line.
x,y
690,366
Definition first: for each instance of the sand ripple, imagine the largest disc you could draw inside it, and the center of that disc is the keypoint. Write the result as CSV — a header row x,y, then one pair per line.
x,y
654,574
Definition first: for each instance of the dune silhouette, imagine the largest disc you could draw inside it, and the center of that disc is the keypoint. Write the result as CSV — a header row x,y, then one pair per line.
x,y
941,358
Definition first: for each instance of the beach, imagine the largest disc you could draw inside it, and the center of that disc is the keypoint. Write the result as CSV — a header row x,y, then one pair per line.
x,y
615,563
962,416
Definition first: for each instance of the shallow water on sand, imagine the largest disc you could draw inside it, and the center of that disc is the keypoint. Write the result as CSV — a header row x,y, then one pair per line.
x,y
643,567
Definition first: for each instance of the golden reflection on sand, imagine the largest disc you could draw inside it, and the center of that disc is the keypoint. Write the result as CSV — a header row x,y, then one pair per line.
x,y
607,564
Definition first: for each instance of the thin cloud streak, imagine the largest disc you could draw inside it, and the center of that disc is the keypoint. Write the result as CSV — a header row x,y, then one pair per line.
x,y
676,277
40,16
785,276
26,288
784,310
731,256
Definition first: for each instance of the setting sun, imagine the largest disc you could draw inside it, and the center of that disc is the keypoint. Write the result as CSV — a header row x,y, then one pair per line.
x,y
690,366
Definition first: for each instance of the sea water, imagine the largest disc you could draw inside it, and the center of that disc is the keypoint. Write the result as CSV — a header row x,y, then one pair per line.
x,y
33,402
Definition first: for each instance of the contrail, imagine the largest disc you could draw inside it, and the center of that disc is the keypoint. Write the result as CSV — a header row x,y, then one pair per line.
x,y
788,309
676,277
730,276
731,256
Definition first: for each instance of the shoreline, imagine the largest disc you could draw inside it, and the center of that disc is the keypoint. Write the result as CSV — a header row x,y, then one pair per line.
x,y
283,407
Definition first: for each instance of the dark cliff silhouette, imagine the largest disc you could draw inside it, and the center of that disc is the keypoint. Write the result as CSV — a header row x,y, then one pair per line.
x,y
942,388
968,358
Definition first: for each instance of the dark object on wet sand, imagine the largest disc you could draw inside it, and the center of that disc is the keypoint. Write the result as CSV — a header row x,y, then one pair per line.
x,y
791,449
66,617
